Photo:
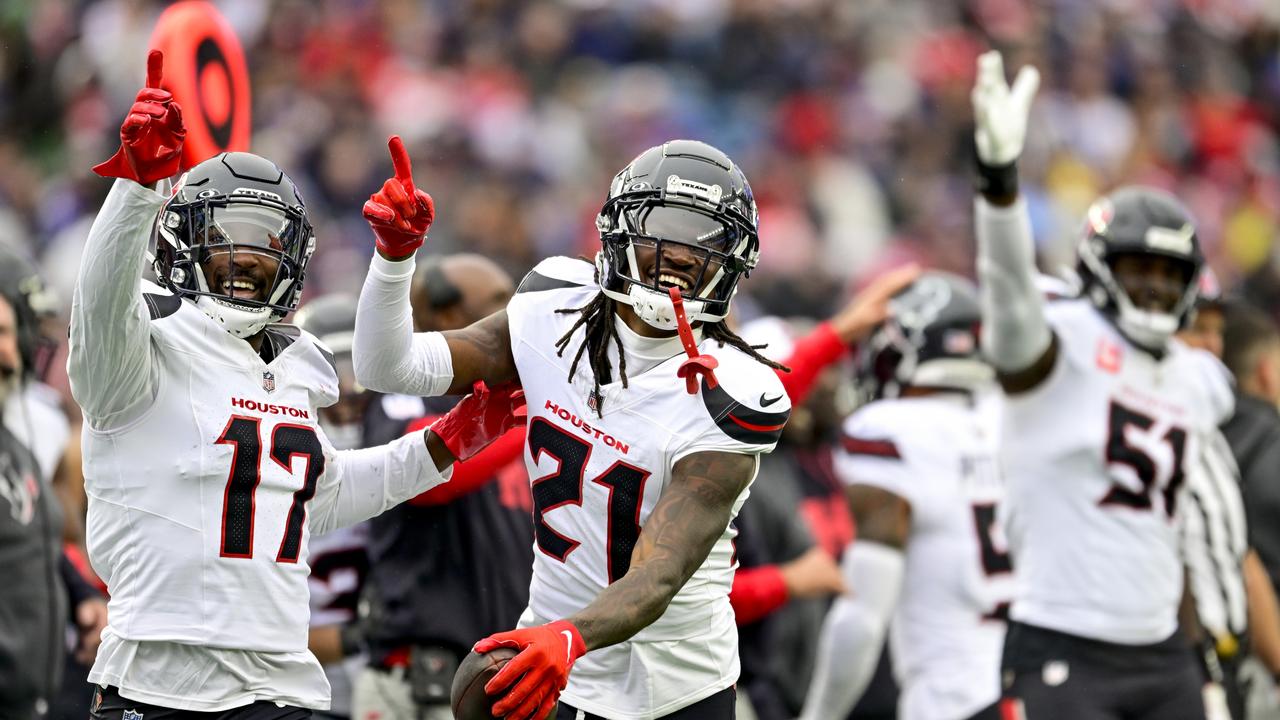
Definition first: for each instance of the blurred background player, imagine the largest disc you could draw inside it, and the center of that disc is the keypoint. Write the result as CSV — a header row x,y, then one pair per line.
x,y
202,540
794,529
633,568
929,562
338,559
424,609
1103,413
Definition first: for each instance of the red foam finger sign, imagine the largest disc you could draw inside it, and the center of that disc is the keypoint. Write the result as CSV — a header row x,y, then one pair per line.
x,y
205,69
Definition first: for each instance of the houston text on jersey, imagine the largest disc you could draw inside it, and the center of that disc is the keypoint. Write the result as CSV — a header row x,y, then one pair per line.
x,y
270,409
577,422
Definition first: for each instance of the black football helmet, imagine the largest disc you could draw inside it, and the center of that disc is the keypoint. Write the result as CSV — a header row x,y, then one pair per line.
x,y
684,192
930,339
332,319
1138,221
234,201
33,302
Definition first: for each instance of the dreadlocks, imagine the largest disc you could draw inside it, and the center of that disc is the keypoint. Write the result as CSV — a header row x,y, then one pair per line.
x,y
597,316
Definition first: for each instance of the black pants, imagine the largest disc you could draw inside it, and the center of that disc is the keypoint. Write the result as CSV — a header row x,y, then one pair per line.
x,y
717,707
1055,676
108,705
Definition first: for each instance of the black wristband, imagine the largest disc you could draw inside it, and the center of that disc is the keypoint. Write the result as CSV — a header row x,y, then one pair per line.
x,y
997,181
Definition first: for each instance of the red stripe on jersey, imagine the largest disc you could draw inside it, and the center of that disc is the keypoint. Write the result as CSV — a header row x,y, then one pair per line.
x,y
756,428
875,448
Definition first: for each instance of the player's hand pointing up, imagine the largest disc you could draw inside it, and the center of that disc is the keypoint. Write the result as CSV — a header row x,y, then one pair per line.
x,y
399,213
151,135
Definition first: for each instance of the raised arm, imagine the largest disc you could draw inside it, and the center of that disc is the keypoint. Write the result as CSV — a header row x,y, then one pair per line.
x,y
853,633
691,515
109,360
388,355
1015,335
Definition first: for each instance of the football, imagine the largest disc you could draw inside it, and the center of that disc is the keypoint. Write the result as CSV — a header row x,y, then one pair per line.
x,y
467,697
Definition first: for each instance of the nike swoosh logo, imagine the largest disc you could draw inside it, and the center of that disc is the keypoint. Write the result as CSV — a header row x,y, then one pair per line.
x,y
770,401
568,644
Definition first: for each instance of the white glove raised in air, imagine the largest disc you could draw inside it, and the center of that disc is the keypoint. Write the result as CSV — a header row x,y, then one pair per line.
x,y
1000,112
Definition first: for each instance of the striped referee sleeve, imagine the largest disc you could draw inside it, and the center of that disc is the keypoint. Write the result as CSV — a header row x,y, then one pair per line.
x,y
1214,537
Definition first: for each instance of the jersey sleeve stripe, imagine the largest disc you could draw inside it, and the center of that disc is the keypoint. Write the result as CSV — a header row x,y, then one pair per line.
x,y
536,282
744,424
329,358
161,306
753,427
866,446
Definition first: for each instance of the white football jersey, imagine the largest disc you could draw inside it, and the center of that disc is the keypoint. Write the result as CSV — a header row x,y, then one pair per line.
x,y
1095,458
595,479
206,472
205,498
938,453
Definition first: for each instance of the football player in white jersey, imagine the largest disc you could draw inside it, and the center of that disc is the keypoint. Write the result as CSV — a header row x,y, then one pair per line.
x,y
205,465
929,564
636,473
1103,413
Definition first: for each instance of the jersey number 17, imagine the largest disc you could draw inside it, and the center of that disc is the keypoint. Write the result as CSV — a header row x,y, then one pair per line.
x,y
287,442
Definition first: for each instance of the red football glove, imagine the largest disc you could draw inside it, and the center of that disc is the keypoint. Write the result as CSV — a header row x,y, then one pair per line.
x,y
399,213
151,135
698,363
530,683
480,418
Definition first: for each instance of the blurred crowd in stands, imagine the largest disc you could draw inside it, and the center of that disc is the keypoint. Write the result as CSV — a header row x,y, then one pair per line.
x,y
851,118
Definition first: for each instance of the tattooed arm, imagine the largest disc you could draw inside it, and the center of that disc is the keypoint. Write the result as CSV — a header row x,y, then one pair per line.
x,y
690,516
853,633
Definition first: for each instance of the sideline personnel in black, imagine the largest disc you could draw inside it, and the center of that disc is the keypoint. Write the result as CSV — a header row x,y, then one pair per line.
x,y
1251,350
452,565
40,584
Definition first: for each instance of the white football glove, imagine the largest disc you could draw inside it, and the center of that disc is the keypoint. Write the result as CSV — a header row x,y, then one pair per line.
x,y
1001,113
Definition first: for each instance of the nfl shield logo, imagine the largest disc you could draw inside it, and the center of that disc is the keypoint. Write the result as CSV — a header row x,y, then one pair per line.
x,y
131,715
268,384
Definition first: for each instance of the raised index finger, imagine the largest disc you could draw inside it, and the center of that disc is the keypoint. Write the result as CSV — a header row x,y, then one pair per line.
x,y
400,161
155,61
